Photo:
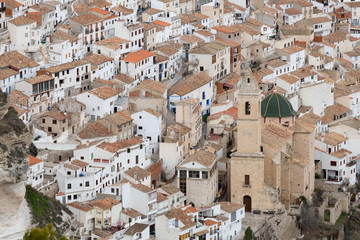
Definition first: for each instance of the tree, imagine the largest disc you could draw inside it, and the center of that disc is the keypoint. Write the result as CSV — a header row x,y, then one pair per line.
x,y
47,233
249,235
33,150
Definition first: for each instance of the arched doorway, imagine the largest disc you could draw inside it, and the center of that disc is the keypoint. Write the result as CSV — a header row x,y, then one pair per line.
x,y
247,203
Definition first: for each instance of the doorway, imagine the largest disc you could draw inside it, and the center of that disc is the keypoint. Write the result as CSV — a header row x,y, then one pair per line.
x,y
247,202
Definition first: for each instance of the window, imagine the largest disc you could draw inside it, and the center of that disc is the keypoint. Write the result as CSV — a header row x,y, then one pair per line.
x,y
247,108
69,186
43,121
87,184
194,174
137,159
204,174
203,95
333,163
247,179
140,127
54,121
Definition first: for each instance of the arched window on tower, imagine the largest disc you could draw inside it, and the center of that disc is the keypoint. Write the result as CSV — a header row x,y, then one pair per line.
x,y
247,108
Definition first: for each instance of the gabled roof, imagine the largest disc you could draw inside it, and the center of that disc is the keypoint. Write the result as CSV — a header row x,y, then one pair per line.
x,y
138,56
202,157
190,84
104,92
33,160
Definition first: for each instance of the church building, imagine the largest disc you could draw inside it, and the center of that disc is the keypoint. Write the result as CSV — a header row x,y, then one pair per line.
x,y
274,162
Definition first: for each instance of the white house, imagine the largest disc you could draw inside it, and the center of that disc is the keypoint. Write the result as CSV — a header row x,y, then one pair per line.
x,y
35,174
148,126
24,33
99,102
139,65
199,86
336,163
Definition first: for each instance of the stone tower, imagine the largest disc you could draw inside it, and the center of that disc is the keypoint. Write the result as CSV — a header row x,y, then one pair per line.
x,y
247,164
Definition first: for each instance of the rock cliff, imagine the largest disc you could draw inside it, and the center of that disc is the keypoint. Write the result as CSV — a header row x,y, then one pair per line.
x,y
15,138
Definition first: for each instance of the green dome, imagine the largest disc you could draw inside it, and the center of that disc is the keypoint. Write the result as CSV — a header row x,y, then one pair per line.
x,y
276,105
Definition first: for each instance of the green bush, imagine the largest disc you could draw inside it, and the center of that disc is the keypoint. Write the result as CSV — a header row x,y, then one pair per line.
x,y
33,150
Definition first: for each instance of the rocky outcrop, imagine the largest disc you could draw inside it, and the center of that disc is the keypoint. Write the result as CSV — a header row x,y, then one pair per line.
x,y
15,138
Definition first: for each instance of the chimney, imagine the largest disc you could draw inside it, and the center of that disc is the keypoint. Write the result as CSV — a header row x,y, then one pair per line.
x,y
105,145
87,142
345,135
135,176
322,138
109,127
138,53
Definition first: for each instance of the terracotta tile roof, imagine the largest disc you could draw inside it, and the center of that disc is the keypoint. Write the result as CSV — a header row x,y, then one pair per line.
x,y
136,228
18,98
137,173
118,118
99,10
292,11
353,4
209,222
204,33
274,136
70,166
303,72
12,4
230,207
65,66
54,114
138,56
202,157
124,78
161,23
186,19
181,216
332,138
16,60
61,35
94,130
337,109
151,85
97,59
104,92
333,38
116,146
170,189
153,112
303,3
104,204
132,213
81,9
33,160
319,20
178,128
160,197
293,49
39,79
276,63
288,78
233,112
81,206
340,153
125,11
7,72
112,43
142,188
167,50
189,209
22,20
152,11
148,26
198,15
79,163
86,19
190,84
100,4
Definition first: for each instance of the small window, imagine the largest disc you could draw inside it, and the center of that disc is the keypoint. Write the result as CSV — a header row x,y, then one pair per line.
x,y
69,186
247,180
247,108
333,163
